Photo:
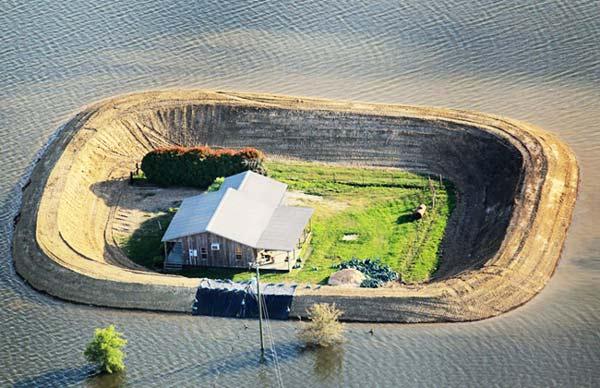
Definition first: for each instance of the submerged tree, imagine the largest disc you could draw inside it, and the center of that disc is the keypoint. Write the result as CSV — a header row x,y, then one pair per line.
x,y
105,350
324,328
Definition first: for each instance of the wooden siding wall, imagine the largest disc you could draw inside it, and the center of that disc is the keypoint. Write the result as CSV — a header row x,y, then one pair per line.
x,y
224,257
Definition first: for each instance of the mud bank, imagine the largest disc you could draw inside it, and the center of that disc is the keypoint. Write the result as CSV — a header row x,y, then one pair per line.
x,y
516,184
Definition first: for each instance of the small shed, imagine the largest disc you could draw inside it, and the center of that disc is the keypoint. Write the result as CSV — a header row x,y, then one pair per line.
x,y
241,224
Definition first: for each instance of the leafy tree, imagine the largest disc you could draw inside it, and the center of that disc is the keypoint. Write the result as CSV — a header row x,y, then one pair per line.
x,y
324,328
105,350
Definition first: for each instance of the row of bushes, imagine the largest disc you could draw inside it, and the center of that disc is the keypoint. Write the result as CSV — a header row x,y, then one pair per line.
x,y
198,166
376,272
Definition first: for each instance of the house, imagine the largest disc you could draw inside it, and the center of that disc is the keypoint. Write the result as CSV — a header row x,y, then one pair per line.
x,y
243,223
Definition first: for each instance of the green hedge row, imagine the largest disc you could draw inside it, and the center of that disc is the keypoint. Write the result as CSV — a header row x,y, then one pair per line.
x,y
198,166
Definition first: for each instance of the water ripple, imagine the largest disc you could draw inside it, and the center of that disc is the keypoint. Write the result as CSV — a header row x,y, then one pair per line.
x,y
538,61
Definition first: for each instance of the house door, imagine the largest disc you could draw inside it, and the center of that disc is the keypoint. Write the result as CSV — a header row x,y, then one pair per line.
x,y
192,251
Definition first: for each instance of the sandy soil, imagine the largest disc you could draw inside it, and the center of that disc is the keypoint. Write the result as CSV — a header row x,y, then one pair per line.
x,y
296,198
137,204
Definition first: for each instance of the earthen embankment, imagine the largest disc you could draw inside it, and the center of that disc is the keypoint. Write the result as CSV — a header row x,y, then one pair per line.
x,y
516,188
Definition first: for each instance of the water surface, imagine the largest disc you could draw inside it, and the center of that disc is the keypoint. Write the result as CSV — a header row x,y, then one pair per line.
x,y
538,62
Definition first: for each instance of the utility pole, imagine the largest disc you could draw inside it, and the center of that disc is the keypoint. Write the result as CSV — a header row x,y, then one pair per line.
x,y
260,322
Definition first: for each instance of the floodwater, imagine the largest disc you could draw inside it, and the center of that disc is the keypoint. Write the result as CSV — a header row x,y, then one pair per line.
x,y
537,61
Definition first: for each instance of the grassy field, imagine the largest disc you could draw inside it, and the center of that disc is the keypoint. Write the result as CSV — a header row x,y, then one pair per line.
x,y
374,205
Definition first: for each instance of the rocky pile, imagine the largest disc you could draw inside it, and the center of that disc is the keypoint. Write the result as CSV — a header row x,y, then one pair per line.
x,y
346,277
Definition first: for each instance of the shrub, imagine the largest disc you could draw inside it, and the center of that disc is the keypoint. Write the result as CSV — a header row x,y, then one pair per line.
x,y
105,350
376,273
216,185
158,261
198,166
324,329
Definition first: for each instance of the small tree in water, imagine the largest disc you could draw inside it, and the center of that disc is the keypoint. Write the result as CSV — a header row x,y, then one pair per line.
x,y
105,350
324,329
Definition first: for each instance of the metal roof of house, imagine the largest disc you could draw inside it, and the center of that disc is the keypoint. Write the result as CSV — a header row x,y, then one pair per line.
x,y
245,209
284,228
193,215
256,186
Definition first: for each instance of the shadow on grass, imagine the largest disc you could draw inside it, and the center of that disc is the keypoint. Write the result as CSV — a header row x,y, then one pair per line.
x,y
144,246
405,218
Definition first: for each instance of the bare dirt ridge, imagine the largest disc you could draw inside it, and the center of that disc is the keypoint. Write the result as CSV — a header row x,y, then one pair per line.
x,y
516,184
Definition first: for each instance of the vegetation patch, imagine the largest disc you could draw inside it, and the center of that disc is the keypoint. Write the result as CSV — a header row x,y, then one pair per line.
x,y
376,273
324,328
144,246
198,166
375,204
216,185
106,350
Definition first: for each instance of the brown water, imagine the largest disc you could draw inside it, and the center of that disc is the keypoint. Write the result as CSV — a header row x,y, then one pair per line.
x,y
537,62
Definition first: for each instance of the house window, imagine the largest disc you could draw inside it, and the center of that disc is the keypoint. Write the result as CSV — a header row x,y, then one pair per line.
x,y
215,247
203,253
238,253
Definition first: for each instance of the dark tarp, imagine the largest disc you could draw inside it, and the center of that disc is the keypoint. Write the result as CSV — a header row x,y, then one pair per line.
x,y
228,299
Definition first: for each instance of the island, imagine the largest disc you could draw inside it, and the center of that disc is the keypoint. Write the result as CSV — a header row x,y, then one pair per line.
x,y
515,187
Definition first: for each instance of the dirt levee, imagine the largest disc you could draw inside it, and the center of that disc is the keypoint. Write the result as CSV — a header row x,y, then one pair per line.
x,y
516,188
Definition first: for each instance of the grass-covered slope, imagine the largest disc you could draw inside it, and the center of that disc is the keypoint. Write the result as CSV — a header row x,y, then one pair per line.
x,y
375,205
372,207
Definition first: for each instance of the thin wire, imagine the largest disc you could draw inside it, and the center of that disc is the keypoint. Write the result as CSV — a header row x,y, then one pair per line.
x,y
276,356
270,331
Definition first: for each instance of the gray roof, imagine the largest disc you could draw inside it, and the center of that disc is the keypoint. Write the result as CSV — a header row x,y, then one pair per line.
x,y
284,228
193,215
256,186
247,209
240,218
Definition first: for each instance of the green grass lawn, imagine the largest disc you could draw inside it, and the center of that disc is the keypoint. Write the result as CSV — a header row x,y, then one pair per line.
x,y
373,203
